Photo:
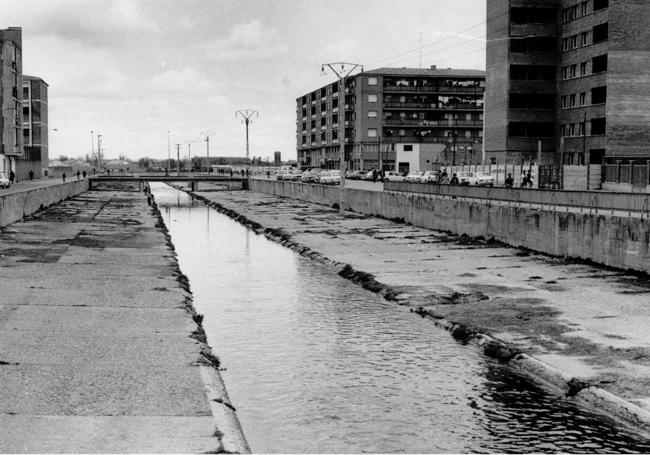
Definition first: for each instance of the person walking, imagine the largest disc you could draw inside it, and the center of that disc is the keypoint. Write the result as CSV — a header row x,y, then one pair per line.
x,y
83,174
63,176
454,180
31,175
510,181
78,174
12,177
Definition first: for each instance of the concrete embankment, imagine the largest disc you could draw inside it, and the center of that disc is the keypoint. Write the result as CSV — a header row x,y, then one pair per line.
x,y
570,325
16,205
100,347
609,240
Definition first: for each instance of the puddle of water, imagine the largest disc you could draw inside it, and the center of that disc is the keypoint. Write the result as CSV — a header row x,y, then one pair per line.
x,y
316,364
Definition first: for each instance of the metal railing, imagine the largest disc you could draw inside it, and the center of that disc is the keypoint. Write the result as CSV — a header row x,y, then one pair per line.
x,y
594,201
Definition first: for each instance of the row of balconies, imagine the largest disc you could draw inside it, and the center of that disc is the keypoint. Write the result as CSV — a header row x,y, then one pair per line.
x,y
431,106
432,89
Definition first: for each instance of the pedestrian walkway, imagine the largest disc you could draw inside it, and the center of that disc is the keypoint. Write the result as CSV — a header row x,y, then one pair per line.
x,y
26,185
100,350
586,321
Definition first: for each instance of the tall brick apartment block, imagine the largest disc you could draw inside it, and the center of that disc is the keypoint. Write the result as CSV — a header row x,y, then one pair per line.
x,y
389,111
569,78
35,130
11,115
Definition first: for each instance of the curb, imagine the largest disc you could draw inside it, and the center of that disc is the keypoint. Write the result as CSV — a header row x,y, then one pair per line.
x,y
228,430
590,396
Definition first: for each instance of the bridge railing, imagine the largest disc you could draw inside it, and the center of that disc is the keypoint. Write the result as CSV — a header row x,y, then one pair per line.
x,y
629,202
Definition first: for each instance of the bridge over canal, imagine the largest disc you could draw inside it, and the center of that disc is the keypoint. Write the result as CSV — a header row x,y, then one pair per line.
x,y
192,180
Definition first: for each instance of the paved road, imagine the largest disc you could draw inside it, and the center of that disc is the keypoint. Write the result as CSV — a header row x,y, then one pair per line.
x,y
96,345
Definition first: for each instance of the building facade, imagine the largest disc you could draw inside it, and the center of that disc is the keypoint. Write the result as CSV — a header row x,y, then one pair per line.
x,y
437,113
35,130
568,81
11,116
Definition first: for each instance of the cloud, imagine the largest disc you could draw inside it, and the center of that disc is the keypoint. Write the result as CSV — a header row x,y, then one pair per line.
x,y
186,79
346,47
249,41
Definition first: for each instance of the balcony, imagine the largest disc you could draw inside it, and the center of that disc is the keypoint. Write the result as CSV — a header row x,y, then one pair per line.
x,y
434,123
429,89
430,106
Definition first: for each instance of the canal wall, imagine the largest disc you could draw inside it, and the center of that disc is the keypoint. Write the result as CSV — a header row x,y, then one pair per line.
x,y
619,242
16,206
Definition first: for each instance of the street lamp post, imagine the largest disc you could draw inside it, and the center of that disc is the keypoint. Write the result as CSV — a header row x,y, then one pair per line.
x,y
169,153
92,145
247,115
99,151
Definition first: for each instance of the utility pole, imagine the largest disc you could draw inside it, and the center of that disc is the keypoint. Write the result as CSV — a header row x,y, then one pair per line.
x,y
207,135
92,145
178,160
247,115
99,152
169,153
189,156
342,73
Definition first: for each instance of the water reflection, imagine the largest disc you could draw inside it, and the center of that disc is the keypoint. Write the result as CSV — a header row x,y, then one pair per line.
x,y
317,364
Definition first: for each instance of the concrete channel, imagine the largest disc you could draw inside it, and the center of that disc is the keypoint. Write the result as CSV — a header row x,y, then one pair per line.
x,y
101,349
597,366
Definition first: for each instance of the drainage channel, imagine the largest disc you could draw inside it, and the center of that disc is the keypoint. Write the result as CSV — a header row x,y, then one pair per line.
x,y
314,363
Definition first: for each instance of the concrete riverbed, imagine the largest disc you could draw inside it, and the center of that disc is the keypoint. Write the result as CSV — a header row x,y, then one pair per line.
x,y
100,347
574,325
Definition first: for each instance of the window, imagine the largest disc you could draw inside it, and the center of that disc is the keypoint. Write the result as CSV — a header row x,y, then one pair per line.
x,y
600,33
563,130
598,126
335,118
600,4
372,81
583,8
565,44
335,134
583,98
408,148
372,114
599,95
572,129
572,100
563,102
323,121
583,69
599,64
583,38
372,97
532,72
372,132
581,129
522,15
574,41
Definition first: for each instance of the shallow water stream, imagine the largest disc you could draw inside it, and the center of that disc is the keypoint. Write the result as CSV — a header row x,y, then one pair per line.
x,y
315,363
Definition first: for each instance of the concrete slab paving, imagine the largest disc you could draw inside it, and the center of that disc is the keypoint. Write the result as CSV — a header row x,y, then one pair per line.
x,y
122,434
99,351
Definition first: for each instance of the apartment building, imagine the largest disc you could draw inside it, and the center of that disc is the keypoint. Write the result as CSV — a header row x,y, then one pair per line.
x,y
11,121
391,112
568,81
35,130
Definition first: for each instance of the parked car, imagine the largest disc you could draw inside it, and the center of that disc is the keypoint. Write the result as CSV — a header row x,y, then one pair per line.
x,y
355,175
483,179
293,175
308,175
4,180
465,178
414,177
429,177
392,176
332,177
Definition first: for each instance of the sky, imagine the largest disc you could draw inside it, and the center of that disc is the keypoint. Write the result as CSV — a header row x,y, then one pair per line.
x,y
132,70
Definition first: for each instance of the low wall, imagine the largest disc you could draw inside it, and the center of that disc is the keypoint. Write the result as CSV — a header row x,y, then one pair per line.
x,y
614,241
14,206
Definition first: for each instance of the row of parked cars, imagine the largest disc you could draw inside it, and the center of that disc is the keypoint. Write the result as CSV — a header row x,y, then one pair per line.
x,y
333,177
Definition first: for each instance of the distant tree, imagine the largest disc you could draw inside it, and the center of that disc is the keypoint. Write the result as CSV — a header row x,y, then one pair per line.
x,y
63,158
222,161
144,163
